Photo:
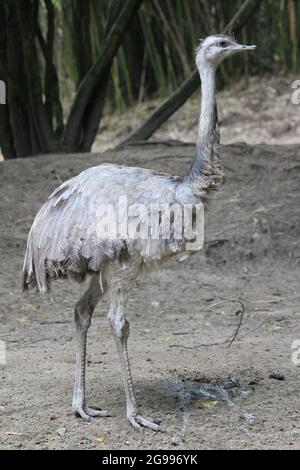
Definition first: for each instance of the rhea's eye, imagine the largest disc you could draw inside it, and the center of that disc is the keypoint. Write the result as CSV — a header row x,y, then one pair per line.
x,y
223,44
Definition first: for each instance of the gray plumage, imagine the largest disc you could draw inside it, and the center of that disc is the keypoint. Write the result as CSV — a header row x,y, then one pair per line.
x,y
64,240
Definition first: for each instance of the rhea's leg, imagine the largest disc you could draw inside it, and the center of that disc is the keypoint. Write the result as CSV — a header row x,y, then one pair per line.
x,y
120,330
83,314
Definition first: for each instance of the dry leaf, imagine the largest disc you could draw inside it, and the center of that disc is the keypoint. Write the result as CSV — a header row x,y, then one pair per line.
x,y
13,306
165,338
101,438
29,307
273,327
207,403
22,319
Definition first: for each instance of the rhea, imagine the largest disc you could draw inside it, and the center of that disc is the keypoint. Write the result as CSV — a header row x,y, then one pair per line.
x,y
64,239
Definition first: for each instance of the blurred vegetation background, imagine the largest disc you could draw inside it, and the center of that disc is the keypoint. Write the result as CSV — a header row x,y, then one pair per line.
x,y
62,40
157,54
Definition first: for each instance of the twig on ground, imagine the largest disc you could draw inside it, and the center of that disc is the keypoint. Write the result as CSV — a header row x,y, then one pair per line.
x,y
229,340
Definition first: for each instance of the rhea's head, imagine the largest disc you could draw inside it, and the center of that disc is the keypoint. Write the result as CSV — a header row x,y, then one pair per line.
x,y
213,49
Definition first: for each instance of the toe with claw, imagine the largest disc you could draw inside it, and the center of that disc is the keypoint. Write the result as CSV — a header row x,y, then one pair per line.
x,y
139,422
89,414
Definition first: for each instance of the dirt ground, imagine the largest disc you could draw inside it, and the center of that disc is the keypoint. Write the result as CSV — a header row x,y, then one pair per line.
x,y
207,397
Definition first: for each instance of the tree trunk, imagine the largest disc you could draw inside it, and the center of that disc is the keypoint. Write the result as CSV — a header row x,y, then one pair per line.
x,y
26,12
16,126
94,111
26,130
73,132
52,103
6,137
33,120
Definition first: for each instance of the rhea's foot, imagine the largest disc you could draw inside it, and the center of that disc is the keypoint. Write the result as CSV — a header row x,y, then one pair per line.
x,y
138,422
89,414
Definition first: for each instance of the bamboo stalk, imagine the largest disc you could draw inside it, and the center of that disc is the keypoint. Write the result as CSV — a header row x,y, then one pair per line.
x,y
293,33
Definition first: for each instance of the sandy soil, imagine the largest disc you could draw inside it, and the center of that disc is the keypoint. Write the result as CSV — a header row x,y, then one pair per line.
x,y
205,396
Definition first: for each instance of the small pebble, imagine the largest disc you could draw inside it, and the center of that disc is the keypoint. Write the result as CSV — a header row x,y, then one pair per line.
x,y
61,431
277,376
253,382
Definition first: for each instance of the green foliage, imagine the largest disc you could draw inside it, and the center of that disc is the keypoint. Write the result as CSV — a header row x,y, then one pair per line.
x,y
56,3
158,51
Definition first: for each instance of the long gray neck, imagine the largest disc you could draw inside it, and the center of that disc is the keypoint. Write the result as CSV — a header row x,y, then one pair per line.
x,y
207,133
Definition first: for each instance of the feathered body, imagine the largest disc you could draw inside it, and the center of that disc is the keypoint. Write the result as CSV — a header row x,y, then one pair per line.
x,y
64,239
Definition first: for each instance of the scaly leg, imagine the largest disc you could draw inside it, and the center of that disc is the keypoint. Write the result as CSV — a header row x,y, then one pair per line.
x,y
120,330
83,314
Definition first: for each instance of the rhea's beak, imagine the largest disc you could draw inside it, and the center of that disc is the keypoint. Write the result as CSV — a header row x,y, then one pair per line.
x,y
241,47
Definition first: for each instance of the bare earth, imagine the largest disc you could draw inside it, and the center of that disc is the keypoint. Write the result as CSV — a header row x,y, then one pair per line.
x,y
205,396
